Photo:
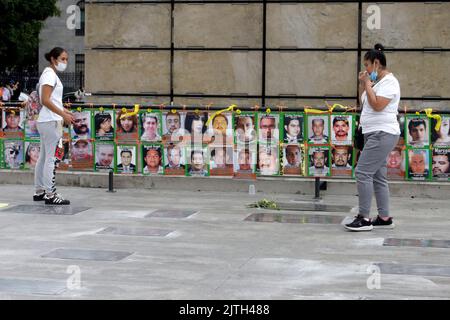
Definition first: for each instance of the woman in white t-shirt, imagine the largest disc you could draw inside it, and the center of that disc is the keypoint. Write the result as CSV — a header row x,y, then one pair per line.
x,y
50,127
380,96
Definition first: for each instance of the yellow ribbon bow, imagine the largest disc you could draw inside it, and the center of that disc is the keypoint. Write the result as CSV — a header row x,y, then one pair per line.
x,y
130,114
230,108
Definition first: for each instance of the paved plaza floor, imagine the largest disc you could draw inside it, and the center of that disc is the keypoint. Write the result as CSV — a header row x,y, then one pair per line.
x,y
167,244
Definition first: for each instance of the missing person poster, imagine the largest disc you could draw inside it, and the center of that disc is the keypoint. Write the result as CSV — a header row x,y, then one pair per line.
x,y
293,159
104,156
82,157
221,129
396,163
268,128
197,162
341,161
440,136
417,131
152,159
418,164
126,159
342,127
268,160
440,164
13,123
318,129
173,127
127,126
174,160
293,127
220,160
104,125
245,127
81,128
245,159
13,154
32,151
151,127
319,161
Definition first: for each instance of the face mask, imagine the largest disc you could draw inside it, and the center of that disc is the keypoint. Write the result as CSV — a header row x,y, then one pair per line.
x,y
373,75
61,67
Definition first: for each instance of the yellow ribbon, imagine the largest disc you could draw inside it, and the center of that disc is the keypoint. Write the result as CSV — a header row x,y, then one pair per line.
x,y
230,108
330,108
130,114
428,112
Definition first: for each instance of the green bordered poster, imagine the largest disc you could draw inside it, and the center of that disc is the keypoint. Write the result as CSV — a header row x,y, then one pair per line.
x,y
318,161
105,157
152,159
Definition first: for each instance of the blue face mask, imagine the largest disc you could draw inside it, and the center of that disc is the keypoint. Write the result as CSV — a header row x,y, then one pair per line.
x,y
373,76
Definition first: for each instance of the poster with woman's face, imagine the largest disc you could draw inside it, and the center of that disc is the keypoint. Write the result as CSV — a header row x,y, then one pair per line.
x,y
173,127
293,159
150,126
82,154
104,125
245,127
268,160
32,150
440,163
31,131
81,127
418,164
221,160
152,159
127,126
13,123
126,159
13,154
66,161
196,129
440,137
417,131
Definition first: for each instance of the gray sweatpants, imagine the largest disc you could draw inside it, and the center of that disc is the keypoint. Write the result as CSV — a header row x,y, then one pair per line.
x,y
44,174
371,172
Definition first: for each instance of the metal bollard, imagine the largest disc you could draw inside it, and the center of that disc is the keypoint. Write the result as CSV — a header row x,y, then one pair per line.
x,y
111,182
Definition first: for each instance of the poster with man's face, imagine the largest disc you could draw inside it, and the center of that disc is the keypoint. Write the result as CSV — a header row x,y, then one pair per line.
x,y
152,159
245,159
174,160
104,156
268,127
81,128
418,164
151,126
417,131
197,162
221,160
245,127
341,161
318,129
268,160
396,163
104,125
440,137
440,163
126,159
221,128
173,126
293,159
82,154
341,129
13,123
13,154
318,161
293,128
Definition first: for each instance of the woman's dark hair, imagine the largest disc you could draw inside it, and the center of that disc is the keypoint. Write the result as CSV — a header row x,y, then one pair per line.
x,y
27,156
99,118
191,117
54,53
376,53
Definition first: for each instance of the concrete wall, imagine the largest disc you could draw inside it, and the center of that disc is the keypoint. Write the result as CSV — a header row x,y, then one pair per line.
x,y
56,34
128,26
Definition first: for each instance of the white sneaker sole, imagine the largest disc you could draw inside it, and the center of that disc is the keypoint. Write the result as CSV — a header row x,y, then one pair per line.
x,y
391,226
366,228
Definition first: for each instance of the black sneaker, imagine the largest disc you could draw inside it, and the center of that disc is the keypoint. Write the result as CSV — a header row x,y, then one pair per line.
x,y
56,199
381,224
359,224
39,197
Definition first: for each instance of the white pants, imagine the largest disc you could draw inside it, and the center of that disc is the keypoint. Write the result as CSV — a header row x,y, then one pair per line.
x,y
44,174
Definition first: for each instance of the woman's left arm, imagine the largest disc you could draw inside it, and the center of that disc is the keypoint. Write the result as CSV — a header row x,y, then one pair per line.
x,y
377,103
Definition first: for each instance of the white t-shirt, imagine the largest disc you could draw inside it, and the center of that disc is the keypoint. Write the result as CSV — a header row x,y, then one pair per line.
x,y
49,77
385,120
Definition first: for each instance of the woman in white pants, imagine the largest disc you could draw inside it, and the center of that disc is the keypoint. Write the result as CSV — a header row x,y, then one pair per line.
x,y
50,127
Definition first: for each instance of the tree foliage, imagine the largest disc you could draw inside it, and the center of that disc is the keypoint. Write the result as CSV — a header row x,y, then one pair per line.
x,y
20,24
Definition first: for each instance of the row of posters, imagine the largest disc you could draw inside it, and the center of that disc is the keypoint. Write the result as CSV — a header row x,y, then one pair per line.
x,y
225,128
241,160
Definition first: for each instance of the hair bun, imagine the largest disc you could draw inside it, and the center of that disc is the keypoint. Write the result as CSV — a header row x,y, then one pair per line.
x,y
379,47
48,57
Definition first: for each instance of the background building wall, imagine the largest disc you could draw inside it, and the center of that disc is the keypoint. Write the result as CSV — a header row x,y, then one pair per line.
x,y
252,53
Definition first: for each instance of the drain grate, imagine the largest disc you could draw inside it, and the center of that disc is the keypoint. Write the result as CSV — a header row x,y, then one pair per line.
x,y
47,209
294,218
82,254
